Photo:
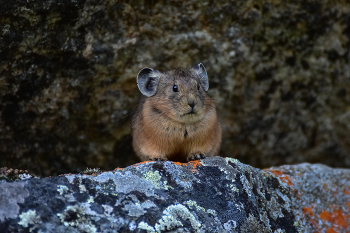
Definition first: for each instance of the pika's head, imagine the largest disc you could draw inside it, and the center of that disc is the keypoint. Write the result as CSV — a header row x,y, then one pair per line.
x,y
179,94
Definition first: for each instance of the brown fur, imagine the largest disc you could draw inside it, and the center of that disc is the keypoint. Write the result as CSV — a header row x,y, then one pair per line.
x,y
163,128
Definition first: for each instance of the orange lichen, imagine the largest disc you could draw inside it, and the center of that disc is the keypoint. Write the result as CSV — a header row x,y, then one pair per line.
x,y
333,221
195,164
346,192
180,164
276,172
337,218
308,210
331,230
313,222
283,177
68,174
140,163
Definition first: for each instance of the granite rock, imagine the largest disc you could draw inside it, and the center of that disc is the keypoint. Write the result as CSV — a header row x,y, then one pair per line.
x,y
211,195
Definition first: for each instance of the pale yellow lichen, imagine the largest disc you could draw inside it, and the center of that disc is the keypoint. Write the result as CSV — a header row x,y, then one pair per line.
x,y
90,200
155,179
233,188
28,218
192,204
144,226
232,160
172,219
62,189
210,211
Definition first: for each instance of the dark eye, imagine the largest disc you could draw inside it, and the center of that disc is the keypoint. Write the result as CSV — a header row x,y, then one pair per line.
x,y
197,86
175,89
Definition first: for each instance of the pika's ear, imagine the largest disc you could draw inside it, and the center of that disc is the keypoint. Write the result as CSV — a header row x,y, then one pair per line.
x,y
202,75
147,81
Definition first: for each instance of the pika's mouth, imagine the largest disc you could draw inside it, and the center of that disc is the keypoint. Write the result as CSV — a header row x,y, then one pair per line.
x,y
190,113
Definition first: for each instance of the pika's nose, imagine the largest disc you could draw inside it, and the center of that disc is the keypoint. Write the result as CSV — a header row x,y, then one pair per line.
x,y
191,104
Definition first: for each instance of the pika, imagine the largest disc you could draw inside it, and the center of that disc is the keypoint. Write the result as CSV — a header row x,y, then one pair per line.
x,y
175,119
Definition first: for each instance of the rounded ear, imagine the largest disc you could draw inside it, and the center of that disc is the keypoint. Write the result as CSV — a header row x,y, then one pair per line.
x,y
202,75
147,81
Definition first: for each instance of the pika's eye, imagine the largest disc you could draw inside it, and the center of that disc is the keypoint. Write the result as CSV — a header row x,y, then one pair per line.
x,y
197,86
175,89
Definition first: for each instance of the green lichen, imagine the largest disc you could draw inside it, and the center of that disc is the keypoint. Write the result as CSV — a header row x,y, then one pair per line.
x,y
232,160
91,199
155,179
172,219
167,223
233,188
192,204
210,211
172,216
239,207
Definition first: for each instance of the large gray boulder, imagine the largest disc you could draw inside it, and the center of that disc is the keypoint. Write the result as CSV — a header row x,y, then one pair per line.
x,y
278,71
212,195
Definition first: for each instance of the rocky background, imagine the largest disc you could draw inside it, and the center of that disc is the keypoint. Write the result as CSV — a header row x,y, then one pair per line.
x,y
279,72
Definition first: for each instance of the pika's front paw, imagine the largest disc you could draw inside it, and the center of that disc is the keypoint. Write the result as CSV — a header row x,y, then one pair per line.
x,y
196,156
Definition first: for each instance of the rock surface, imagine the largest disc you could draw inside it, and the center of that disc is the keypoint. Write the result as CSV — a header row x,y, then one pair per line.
x,y
279,72
212,195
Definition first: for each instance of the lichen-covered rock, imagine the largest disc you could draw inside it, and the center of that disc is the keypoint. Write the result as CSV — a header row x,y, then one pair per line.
x,y
320,194
212,195
278,71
